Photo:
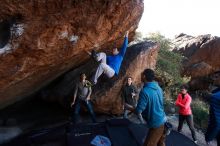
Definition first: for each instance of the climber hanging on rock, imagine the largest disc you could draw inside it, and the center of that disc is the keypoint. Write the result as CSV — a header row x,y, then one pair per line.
x,y
109,65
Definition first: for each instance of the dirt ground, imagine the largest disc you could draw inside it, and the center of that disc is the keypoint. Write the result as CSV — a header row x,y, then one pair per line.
x,y
186,131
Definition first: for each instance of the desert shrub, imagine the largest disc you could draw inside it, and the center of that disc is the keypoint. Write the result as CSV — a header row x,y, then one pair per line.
x,y
164,42
200,111
170,107
169,63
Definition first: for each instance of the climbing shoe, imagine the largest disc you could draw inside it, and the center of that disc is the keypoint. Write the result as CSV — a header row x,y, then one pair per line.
x,y
94,55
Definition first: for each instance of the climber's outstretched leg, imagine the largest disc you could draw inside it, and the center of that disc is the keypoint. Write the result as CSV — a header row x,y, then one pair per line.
x,y
103,68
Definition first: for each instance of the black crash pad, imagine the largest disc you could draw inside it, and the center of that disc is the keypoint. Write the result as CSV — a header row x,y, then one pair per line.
x,y
121,132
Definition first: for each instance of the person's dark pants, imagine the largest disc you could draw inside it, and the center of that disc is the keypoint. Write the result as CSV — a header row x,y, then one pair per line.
x,y
218,139
127,109
77,108
189,120
155,137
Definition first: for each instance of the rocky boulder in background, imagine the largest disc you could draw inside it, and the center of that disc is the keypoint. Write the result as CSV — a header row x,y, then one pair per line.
x,y
106,94
202,61
48,38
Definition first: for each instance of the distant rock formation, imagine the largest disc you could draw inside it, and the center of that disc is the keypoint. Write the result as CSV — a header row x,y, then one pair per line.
x,y
51,37
202,61
106,95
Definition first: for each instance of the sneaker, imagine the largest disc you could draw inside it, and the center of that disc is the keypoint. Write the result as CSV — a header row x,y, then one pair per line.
x,y
94,55
168,127
167,132
196,142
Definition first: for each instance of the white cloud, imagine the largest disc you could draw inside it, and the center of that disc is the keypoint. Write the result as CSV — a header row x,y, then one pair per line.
x,y
171,17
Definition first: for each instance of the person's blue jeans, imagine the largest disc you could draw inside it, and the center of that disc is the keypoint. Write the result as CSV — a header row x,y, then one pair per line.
x,y
77,108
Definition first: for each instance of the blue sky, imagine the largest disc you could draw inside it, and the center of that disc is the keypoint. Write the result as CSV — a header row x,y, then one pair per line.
x,y
171,17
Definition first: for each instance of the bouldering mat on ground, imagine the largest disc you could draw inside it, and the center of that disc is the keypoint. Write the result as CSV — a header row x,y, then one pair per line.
x,y
120,132
82,135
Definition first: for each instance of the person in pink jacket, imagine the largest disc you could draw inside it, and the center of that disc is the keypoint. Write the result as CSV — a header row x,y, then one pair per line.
x,y
185,113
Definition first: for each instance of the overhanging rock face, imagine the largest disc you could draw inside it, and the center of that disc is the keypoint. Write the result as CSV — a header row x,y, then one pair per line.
x,y
106,94
50,37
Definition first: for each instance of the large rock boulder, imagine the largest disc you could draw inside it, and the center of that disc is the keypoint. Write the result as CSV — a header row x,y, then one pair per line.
x,y
48,38
106,94
202,58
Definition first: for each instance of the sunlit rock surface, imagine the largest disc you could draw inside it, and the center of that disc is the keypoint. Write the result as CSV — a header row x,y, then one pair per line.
x,y
202,58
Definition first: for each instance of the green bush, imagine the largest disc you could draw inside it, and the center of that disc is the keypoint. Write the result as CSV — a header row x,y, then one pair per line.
x,y
164,42
170,63
201,113
169,107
